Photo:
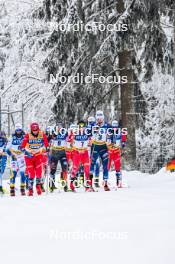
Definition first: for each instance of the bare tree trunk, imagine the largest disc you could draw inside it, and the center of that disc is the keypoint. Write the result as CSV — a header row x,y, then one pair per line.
x,y
127,107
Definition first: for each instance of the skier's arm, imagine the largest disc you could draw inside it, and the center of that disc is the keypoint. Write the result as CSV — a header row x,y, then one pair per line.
x,y
4,147
8,147
46,143
70,138
24,142
123,140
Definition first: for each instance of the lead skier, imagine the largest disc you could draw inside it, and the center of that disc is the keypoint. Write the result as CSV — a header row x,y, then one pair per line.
x,y
34,144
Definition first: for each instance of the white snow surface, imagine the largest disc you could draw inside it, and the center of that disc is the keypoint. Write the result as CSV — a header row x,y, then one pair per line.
x,y
131,225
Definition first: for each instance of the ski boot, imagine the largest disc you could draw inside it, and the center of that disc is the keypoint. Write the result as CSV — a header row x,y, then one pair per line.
x,y
30,187
88,186
72,187
89,189
30,193
64,181
23,193
12,190
96,182
42,187
38,189
65,188
1,190
52,184
27,182
81,179
119,183
106,187
27,185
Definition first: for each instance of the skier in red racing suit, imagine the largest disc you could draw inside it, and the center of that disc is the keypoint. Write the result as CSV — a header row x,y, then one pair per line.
x,y
33,145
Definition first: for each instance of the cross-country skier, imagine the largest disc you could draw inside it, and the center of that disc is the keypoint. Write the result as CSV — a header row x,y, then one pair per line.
x,y
58,153
3,157
99,147
171,165
80,156
91,123
17,161
115,144
71,130
33,145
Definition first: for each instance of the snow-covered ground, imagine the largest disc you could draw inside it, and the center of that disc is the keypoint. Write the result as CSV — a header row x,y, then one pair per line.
x,y
130,225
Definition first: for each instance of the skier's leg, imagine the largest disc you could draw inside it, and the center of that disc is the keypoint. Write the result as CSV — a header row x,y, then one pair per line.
x,y
3,161
117,165
86,164
31,172
38,171
68,156
1,189
104,157
53,167
82,172
75,166
21,166
94,157
27,179
110,159
97,168
0,181
1,174
97,173
64,167
13,174
44,170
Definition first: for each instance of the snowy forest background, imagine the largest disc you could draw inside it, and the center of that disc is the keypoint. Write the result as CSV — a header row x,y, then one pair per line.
x,y
31,49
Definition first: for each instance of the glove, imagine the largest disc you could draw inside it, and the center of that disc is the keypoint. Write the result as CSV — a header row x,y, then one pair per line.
x,y
122,154
47,149
9,152
123,145
14,157
28,154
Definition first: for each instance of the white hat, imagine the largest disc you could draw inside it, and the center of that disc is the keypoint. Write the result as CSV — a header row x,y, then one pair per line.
x,y
115,123
91,119
99,115
18,127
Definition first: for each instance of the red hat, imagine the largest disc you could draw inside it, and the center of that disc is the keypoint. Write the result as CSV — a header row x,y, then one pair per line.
x,y
34,127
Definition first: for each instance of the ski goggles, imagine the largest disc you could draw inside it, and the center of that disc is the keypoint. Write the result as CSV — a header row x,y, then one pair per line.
x,y
18,130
